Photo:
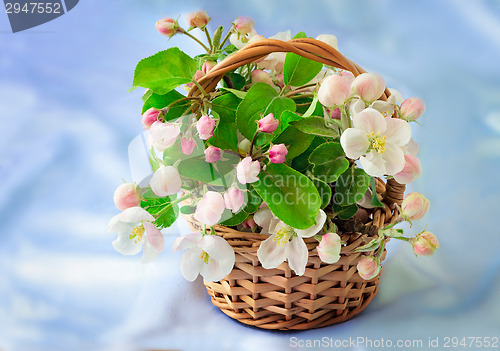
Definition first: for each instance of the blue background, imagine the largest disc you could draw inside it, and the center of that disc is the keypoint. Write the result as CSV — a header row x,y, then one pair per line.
x,y
67,119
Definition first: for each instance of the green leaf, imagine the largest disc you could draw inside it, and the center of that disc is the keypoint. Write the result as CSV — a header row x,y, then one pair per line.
x,y
174,153
351,186
253,201
345,212
375,201
188,209
154,204
230,49
162,101
287,117
316,126
238,93
259,101
225,106
329,161
217,36
218,174
299,70
295,141
371,246
303,109
146,95
324,190
291,196
312,108
238,81
225,134
301,162
300,35
164,71
230,219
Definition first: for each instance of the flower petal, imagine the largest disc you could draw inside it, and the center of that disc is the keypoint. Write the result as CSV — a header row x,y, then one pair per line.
x,y
354,142
263,218
149,253
398,131
394,159
126,246
270,254
217,248
373,163
212,272
314,229
297,254
154,236
356,106
187,241
118,226
191,263
135,214
370,120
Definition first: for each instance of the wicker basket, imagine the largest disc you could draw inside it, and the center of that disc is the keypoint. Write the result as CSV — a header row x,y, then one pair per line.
x,y
327,293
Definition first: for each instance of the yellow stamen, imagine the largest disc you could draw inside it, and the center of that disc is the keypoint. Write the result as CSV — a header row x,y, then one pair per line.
x,y
377,142
284,235
205,257
137,233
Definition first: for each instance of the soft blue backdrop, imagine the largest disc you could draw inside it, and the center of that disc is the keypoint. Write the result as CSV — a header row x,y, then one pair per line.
x,y
67,119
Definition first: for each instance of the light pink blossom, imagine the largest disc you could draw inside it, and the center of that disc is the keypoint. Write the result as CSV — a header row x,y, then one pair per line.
x,y
329,248
205,127
233,199
212,154
334,91
167,26
425,244
165,181
368,86
368,267
411,170
412,109
415,206
198,19
243,24
248,171
210,208
163,135
187,146
268,124
149,117
127,195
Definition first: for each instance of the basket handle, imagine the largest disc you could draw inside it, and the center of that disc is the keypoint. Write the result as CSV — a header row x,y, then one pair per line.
x,y
309,48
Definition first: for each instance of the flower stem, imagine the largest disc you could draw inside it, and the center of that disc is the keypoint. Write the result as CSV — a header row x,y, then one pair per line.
x,y
253,142
225,38
195,39
209,39
171,204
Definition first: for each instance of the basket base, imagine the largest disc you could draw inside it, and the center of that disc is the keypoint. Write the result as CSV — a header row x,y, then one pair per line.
x,y
293,322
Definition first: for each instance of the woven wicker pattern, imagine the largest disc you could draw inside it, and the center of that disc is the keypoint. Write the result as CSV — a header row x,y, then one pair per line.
x,y
327,293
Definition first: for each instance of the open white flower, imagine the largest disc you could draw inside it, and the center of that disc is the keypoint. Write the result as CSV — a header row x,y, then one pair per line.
x,y
208,255
285,242
135,229
276,60
378,142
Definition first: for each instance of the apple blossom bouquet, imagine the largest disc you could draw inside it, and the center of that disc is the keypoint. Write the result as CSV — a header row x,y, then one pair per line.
x,y
283,145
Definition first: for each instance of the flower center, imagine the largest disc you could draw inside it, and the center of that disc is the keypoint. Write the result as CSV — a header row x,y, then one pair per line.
x,y
377,142
205,257
137,233
284,235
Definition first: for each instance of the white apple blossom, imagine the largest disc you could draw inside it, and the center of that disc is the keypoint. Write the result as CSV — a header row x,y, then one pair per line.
x,y
135,229
276,60
163,135
208,255
285,242
378,142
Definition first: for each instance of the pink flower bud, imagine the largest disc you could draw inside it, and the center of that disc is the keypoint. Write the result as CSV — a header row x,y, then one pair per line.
x,y
198,19
268,124
334,91
347,76
165,181
335,113
411,170
197,76
249,223
329,39
248,171
368,267
127,195
260,76
205,127
415,206
329,248
277,153
187,146
210,208
167,26
412,109
425,244
243,25
207,66
149,117
233,199
369,86
212,154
